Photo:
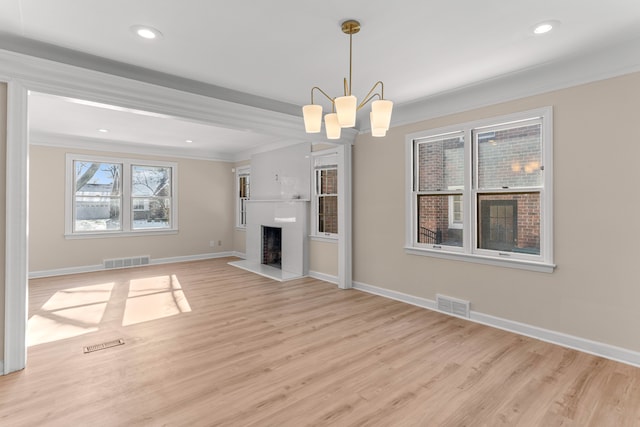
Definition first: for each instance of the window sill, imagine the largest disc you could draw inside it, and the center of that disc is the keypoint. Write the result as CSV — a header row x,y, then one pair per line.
x,y
541,267
238,228
328,239
110,234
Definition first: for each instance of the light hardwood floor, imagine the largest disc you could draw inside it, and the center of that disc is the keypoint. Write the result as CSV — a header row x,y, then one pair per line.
x,y
208,344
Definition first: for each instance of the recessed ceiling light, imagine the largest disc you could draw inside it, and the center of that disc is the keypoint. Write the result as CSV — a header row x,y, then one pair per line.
x,y
544,27
188,141
103,130
146,32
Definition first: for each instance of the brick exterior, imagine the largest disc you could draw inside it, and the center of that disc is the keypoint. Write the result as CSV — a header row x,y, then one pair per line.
x,y
508,158
328,201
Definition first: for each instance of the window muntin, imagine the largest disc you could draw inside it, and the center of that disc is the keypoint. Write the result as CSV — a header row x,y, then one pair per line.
x,y
97,196
502,210
111,196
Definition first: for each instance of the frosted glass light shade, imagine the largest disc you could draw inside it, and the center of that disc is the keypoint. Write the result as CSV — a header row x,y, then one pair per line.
x,y
381,113
346,109
332,126
376,131
312,118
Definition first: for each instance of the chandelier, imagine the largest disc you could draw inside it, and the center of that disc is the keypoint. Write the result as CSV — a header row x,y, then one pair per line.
x,y
344,108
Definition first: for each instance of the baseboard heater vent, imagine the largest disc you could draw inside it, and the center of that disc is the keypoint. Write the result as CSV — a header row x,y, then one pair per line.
x,y
127,262
457,307
96,347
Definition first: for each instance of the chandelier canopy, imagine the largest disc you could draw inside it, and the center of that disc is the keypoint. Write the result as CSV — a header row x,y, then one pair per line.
x,y
344,108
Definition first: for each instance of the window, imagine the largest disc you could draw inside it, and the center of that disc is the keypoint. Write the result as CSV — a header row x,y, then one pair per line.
x,y
243,181
482,191
325,198
107,196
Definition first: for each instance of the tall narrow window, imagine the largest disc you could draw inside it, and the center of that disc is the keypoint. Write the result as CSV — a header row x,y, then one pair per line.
x,y
326,195
243,187
481,191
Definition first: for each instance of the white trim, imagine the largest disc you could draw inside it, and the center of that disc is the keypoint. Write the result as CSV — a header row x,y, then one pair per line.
x,y
324,277
56,78
345,229
479,259
607,351
239,254
327,239
100,267
16,237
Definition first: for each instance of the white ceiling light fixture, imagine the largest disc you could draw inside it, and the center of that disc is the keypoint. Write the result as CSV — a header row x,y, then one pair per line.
x,y
146,32
344,108
103,130
544,27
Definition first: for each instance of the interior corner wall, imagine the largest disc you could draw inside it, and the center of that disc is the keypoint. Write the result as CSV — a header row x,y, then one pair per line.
x,y
205,193
3,203
593,293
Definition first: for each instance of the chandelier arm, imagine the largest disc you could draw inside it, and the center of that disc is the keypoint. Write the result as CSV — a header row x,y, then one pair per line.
x,y
369,95
323,92
363,103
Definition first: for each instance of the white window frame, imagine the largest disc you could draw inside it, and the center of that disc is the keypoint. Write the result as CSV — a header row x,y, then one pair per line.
x,y
126,210
469,251
240,172
315,195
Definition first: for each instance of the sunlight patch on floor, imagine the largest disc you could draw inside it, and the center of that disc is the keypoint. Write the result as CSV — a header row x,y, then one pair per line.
x,y
154,298
69,313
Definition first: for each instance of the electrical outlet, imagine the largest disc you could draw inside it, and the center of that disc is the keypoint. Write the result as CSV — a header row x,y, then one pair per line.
x,y
219,242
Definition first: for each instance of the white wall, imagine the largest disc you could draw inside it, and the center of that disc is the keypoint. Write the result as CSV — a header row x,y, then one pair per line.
x,y
594,291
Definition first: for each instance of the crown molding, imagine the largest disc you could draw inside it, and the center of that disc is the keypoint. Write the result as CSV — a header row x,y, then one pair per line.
x,y
48,139
43,75
612,61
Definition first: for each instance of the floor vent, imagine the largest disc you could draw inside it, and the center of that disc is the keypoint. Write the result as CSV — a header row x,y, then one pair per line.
x,y
92,348
127,262
457,307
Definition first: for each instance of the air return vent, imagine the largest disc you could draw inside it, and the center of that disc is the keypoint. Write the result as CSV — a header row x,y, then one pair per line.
x,y
126,262
457,307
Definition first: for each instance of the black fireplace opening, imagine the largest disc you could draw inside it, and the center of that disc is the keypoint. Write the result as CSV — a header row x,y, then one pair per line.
x,y
272,246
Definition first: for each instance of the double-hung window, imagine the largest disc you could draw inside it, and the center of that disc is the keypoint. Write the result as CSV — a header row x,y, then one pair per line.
x,y
481,191
111,196
325,197
243,181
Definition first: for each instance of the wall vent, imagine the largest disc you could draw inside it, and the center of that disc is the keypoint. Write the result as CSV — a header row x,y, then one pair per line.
x,y
457,307
126,262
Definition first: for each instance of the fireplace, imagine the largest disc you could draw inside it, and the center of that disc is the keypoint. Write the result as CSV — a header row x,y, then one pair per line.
x,y
277,245
272,246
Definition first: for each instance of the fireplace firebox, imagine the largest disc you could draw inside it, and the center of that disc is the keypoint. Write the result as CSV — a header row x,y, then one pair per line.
x,y
272,246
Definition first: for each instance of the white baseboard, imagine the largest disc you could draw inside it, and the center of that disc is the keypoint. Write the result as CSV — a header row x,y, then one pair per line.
x,y
100,267
239,254
324,277
607,351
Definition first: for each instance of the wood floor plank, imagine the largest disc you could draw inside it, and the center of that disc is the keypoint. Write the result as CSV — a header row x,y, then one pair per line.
x,y
207,344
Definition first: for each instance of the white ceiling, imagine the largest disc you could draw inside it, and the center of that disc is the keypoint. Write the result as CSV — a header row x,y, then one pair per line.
x,y
279,49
